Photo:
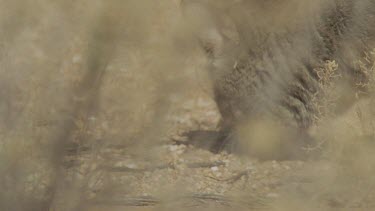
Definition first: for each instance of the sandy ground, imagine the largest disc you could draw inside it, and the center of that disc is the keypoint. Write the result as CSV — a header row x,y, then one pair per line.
x,y
170,176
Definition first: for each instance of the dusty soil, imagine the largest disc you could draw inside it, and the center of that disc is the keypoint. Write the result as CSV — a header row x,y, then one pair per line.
x,y
170,176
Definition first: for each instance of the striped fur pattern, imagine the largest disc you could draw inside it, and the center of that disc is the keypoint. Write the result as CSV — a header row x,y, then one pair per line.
x,y
271,69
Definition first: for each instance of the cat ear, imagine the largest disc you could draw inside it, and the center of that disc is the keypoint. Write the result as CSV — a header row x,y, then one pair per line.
x,y
204,23
212,42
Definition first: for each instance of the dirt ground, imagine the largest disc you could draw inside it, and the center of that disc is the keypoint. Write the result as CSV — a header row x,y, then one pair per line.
x,y
176,176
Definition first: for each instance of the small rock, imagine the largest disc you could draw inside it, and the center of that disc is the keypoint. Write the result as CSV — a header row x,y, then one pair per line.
x,y
272,195
214,168
131,165
173,148
77,59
